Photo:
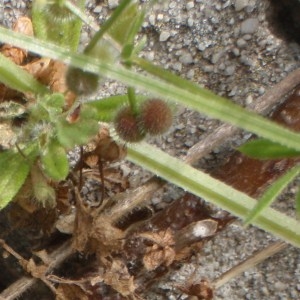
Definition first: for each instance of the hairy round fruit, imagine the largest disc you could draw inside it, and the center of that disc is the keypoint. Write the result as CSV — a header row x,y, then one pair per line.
x,y
58,13
156,116
128,126
81,82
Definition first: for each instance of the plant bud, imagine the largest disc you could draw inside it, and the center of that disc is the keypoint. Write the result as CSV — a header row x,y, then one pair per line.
x,y
156,116
81,82
127,125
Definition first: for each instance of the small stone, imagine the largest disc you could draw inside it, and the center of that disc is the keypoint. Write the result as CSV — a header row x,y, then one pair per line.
x,y
208,69
190,22
280,286
172,5
98,9
240,4
186,59
229,71
177,67
152,19
113,3
236,51
261,90
215,58
249,100
247,61
150,55
247,37
190,74
164,36
249,26
241,43
160,17
190,5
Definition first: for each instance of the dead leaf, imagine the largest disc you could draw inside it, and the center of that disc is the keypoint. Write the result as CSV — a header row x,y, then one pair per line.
x,y
104,147
70,292
118,277
36,271
202,290
161,252
17,55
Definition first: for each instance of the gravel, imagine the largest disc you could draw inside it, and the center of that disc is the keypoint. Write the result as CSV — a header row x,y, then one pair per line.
x,y
228,47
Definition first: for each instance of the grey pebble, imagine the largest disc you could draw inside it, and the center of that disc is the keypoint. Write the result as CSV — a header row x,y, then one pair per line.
x,y
240,4
189,5
164,35
216,57
229,71
247,61
190,22
236,51
97,9
279,286
249,26
241,43
186,59
113,3
261,90
152,19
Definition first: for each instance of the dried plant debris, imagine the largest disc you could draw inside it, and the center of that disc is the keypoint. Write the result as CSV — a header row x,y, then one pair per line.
x,y
202,290
49,72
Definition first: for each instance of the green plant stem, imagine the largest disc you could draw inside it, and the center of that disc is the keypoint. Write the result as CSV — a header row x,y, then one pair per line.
x,y
212,190
270,195
199,99
106,26
132,100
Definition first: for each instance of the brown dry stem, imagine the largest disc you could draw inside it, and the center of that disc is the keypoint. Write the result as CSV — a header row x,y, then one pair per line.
x,y
20,286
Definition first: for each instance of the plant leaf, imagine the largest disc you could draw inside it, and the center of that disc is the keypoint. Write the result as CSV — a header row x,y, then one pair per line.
x,y
71,134
265,149
14,171
54,160
106,108
107,25
43,192
16,78
122,26
272,193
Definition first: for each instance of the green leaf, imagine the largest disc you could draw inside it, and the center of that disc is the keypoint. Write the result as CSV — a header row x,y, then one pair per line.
x,y
265,149
55,100
121,28
14,171
106,108
16,78
212,190
53,21
43,192
105,50
107,26
71,134
272,193
54,161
